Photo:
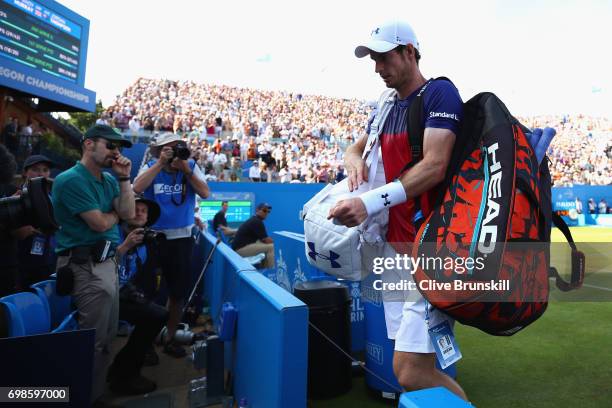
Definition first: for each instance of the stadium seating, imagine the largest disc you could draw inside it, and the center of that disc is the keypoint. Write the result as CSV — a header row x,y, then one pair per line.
x,y
14,322
33,311
69,323
59,306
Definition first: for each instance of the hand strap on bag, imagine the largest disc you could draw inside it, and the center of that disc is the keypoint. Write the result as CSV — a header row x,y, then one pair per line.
x,y
578,260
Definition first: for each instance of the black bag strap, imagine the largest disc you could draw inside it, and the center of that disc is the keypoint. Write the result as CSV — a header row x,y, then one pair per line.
x,y
578,260
414,117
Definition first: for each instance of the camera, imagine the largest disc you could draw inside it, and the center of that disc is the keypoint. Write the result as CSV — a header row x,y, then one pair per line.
x,y
32,207
181,151
151,236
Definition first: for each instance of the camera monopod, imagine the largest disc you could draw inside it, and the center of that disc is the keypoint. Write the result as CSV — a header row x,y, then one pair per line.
x,y
195,287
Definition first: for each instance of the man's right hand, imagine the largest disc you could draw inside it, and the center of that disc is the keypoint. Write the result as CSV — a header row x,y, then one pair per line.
x,y
357,171
166,155
133,239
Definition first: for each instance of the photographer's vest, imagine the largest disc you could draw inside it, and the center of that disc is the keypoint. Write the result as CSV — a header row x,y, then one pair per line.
x,y
131,262
175,196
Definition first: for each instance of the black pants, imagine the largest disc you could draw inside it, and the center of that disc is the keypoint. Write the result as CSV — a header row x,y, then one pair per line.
x,y
175,261
148,319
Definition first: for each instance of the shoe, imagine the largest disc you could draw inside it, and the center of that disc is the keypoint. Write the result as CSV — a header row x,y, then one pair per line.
x,y
151,358
136,385
174,350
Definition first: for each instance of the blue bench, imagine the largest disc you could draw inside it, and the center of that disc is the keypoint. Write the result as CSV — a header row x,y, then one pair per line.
x,y
432,398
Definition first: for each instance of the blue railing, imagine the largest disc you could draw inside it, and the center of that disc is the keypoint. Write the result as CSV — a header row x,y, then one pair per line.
x,y
268,356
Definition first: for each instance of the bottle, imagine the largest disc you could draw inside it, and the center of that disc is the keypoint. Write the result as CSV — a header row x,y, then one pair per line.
x,y
243,403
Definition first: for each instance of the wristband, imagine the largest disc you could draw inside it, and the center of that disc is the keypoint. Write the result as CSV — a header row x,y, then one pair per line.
x,y
124,178
386,196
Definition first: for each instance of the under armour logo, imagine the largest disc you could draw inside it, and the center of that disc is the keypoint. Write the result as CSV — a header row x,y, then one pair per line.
x,y
376,31
331,258
385,196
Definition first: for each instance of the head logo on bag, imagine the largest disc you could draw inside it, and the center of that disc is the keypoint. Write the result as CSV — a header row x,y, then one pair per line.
x,y
331,258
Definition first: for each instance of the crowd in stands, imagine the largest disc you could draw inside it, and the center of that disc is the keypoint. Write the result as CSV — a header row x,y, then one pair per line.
x,y
22,138
296,137
581,152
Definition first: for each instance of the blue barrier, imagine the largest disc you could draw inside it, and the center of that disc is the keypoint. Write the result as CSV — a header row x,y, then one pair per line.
x,y
268,357
432,398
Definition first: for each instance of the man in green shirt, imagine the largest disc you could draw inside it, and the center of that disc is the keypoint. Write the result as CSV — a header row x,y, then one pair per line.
x,y
88,203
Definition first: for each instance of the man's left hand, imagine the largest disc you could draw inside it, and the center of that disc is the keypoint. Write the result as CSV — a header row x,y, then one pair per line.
x,y
122,166
351,212
181,165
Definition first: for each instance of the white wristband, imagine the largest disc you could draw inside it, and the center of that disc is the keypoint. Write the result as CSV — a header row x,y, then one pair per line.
x,y
386,196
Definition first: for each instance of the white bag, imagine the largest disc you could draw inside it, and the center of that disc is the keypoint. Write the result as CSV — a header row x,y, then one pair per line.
x,y
334,248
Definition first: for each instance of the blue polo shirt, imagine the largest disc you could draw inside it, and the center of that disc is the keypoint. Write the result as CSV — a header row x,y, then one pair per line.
x,y
167,190
75,191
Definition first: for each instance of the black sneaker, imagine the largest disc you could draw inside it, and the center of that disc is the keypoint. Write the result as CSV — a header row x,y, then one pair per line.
x,y
151,358
133,386
174,350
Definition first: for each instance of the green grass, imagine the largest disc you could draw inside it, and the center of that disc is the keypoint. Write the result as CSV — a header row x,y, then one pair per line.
x,y
562,360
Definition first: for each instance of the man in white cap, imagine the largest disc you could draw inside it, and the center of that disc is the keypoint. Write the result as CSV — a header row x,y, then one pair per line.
x,y
411,184
172,180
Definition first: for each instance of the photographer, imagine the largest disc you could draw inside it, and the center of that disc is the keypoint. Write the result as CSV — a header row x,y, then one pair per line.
x,y
137,272
88,204
173,180
37,256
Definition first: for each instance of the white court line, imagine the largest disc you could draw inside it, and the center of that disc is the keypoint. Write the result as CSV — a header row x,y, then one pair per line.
x,y
596,287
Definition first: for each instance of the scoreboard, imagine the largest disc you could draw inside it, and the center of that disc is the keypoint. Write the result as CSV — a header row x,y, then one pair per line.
x,y
40,38
43,51
238,211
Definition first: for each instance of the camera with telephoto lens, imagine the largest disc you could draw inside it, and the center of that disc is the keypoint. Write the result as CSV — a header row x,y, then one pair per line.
x,y
151,236
181,151
32,207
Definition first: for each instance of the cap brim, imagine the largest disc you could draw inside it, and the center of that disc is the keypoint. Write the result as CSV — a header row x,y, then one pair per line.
x,y
169,140
374,45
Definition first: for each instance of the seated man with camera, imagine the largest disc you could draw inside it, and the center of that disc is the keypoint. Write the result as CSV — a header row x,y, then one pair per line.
x,y
136,278
172,180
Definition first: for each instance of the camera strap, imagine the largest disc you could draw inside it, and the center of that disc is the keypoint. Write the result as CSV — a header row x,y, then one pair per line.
x,y
183,189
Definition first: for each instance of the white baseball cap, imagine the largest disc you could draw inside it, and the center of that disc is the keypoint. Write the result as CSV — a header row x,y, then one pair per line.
x,y
386,37
166,138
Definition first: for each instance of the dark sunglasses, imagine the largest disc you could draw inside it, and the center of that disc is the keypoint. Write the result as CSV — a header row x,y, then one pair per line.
x,y
113,146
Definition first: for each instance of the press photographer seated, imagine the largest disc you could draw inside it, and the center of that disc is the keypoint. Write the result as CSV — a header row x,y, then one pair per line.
x,y
36,254
137,277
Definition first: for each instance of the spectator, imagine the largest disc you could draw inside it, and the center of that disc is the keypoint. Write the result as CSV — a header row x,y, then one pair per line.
x,y
255,173
134,125
592,207
578,205
220,222
603,206
88,204
252,237
173,183
10,136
